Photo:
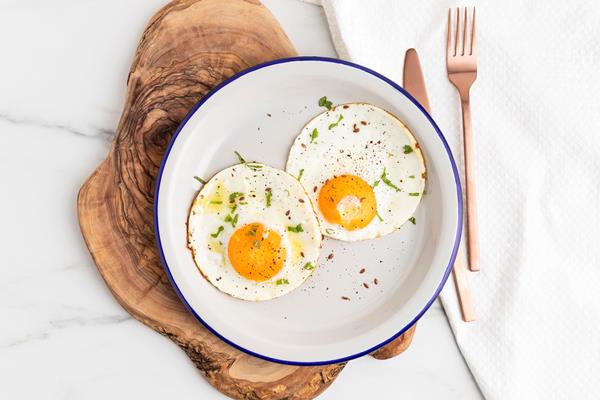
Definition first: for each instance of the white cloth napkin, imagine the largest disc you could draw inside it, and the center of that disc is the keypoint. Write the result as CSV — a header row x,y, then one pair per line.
x,y
536,118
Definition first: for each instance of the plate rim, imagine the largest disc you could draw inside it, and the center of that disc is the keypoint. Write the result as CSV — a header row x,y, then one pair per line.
x,y
394,85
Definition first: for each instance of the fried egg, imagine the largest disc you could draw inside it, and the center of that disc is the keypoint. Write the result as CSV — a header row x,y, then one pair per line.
x,y
362,169
253,232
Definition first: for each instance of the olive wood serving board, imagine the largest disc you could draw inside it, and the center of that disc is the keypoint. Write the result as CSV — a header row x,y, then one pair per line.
x,y
188,47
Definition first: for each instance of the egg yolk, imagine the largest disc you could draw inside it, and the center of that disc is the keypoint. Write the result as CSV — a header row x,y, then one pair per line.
x,y
349,201
255,252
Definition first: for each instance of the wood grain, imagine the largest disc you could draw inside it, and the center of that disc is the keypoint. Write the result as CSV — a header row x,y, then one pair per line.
x,y
396,346
187,48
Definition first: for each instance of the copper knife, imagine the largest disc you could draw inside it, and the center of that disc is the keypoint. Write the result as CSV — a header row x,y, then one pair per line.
x,y
414,84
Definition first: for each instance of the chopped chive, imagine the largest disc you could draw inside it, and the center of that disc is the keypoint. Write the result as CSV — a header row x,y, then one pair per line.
x,y
233,220
378,216
202,181
233,208
334,124
407,149
282,281
268,196
254,166
413,220
219,230
243,203
387,181
375,184
297,229
414,194
411,176
329,231
252,230
323,102
309,266
216,202
239,156
300,174
234,196
314,135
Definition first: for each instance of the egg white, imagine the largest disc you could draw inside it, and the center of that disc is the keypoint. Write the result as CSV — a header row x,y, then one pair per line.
x,y
365,142
206,215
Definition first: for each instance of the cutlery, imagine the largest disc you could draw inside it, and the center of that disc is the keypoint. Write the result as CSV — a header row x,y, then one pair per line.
x,y
414,83
461,64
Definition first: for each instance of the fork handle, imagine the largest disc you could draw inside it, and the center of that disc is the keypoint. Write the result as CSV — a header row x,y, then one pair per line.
x,y
472,231
463,290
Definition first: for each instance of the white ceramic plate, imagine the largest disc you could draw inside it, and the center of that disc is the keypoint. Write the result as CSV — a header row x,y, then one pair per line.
x,y
311,325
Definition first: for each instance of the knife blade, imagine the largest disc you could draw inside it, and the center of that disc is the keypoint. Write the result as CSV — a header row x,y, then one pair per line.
x,y
413,80
414,83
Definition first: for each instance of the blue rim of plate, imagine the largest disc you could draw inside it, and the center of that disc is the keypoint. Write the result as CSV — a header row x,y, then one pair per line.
x,y
226,82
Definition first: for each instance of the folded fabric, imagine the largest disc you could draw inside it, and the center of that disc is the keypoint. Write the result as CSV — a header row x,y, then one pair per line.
x,y
536,123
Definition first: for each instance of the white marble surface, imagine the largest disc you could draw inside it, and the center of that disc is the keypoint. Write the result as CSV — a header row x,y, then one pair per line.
x,y
63,336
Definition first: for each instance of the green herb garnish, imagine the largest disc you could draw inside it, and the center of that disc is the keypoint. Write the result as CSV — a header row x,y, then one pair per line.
x,y
233,208
414,194
323,102
309,266
268,195
216,202
314,135
407,149
297,229
411,176
329,231
334,124
239,156
387,181
219,230
378,216
202,181
300,174
252,231
234,196
233,220
254,166
375,184
413,220
256,244
282,281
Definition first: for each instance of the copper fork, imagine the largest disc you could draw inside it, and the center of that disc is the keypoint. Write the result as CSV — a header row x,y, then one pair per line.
x,y
461,64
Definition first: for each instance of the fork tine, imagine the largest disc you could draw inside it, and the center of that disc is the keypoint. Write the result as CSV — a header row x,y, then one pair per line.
x,y
457,28
449,35
473,36
464,38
